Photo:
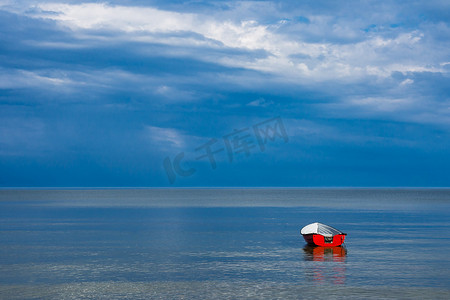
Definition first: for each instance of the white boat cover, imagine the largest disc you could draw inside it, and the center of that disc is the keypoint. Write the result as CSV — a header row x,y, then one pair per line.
x,y
319,228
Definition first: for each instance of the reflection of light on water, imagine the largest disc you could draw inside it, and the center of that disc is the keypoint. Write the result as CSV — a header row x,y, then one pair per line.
x,y
327,263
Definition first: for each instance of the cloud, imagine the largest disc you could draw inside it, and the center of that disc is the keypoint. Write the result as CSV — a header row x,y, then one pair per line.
x,y
260,102
362,56
13,78
126,81
168,137
289,53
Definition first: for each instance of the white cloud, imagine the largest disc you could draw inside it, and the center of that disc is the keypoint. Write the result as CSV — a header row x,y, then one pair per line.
x,y
121,18
17,78
407,81
326,49
375,56
383,103
260,102
174,94
72,81
165,137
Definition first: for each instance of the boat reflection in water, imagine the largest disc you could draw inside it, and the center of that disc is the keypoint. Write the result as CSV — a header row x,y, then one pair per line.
x,y
327,264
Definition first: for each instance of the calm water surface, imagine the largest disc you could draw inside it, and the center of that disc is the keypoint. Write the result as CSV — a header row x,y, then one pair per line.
x,y
222,243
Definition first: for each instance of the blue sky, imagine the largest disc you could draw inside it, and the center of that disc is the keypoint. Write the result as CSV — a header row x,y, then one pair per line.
x,y
102,93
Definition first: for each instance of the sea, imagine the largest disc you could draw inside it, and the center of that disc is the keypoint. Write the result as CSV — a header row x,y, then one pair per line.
x,y
223,244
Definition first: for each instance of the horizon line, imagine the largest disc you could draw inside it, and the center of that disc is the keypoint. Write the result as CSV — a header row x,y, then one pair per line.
x,y
217,187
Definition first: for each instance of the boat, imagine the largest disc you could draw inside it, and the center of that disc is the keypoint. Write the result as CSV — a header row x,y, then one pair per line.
x,y
319,234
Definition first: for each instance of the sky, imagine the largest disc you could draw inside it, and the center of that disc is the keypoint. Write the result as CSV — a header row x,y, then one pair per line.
x,y
225,93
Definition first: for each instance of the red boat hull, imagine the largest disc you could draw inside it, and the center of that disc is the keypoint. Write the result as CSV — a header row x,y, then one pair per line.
x,y
320,240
